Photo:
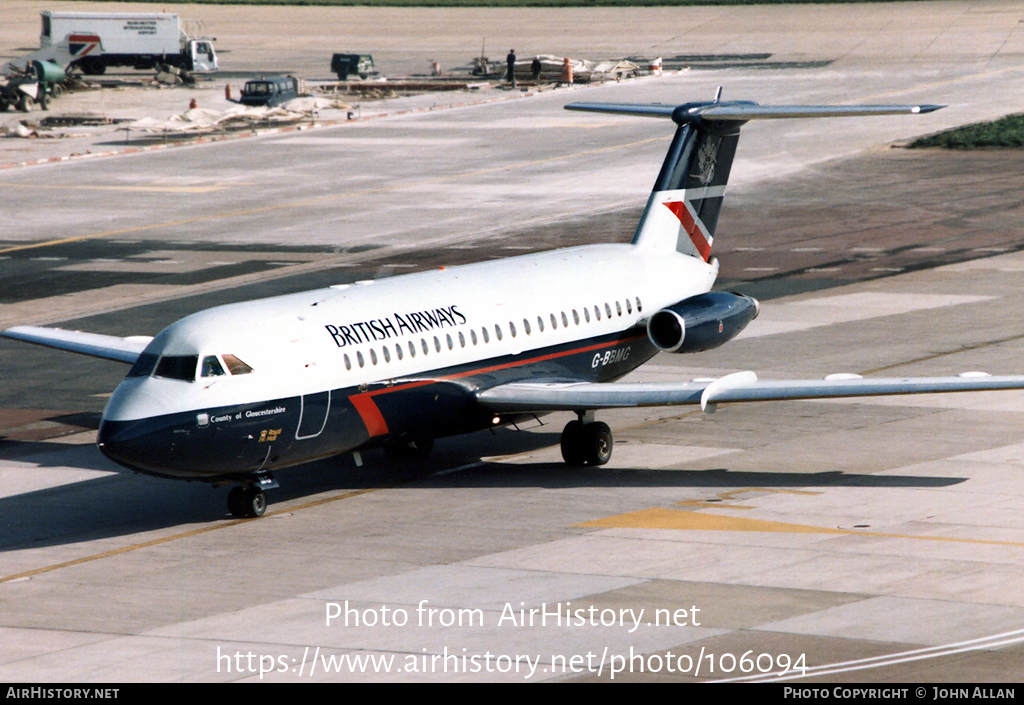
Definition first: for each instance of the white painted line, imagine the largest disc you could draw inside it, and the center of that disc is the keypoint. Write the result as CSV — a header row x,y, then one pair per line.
x,y
982,644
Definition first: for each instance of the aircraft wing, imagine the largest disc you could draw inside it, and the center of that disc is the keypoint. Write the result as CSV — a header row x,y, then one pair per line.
x,y
742,111
738,387
108,347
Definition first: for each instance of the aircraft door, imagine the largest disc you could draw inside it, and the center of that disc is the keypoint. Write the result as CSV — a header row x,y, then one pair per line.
x,y
313,415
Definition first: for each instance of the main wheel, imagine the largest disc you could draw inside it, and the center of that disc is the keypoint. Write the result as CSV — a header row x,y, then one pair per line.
x,y
597,443
573,452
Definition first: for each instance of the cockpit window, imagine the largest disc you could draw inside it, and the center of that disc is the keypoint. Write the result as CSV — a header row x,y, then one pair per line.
x,y
181,367
212,367
144,365
236,366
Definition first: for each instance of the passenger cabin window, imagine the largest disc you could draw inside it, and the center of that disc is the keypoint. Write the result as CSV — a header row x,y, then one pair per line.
x,y
180,367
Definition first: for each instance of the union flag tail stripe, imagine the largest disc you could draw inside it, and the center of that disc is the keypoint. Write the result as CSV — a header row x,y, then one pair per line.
x,y
693,227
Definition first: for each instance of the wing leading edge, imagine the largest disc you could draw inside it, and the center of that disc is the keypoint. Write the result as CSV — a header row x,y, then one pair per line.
x,y
737,387
108,347
743,111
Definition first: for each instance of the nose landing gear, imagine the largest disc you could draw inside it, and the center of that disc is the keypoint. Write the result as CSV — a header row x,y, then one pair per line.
x,y
249,500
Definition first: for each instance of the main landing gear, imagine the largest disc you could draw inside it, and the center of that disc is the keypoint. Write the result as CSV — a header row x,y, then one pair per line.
x,y
586,442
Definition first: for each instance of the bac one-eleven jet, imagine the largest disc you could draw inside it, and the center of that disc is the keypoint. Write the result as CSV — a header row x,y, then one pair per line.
x,y
236,392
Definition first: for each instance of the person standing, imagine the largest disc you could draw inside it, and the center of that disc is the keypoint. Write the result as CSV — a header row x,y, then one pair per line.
x,y
511,61
535,69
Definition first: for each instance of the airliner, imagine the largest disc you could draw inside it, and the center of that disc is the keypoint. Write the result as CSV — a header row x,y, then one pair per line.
x,y
232,394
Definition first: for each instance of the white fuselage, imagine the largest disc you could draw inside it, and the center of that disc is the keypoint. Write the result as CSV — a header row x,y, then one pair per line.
x,y
382,329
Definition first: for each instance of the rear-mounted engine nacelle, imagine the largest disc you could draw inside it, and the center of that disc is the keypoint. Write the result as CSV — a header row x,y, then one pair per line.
x,y
701,322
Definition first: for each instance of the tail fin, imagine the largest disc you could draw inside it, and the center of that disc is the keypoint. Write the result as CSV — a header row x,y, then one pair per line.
x,y
682,212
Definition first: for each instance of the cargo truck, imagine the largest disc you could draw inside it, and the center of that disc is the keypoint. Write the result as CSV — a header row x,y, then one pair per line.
x,y
93,41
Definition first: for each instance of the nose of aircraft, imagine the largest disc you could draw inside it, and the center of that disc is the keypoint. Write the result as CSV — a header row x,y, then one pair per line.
x,y
133,444
134,431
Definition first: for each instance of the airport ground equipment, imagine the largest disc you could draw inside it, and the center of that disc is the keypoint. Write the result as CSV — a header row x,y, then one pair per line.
x,y
94,41
270,92
350,65
38,82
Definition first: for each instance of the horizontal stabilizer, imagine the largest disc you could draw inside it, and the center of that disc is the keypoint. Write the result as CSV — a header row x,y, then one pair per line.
x,y
738,387
683,209
741,111
108,347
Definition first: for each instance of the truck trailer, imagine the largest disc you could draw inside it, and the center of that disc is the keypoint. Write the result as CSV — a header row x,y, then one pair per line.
x,y
93,41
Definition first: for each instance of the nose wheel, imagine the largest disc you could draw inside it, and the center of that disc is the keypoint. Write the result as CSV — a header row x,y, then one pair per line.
x,y
247,502
587,443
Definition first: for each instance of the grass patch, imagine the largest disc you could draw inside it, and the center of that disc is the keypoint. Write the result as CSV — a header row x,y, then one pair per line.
x,y
1002,133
